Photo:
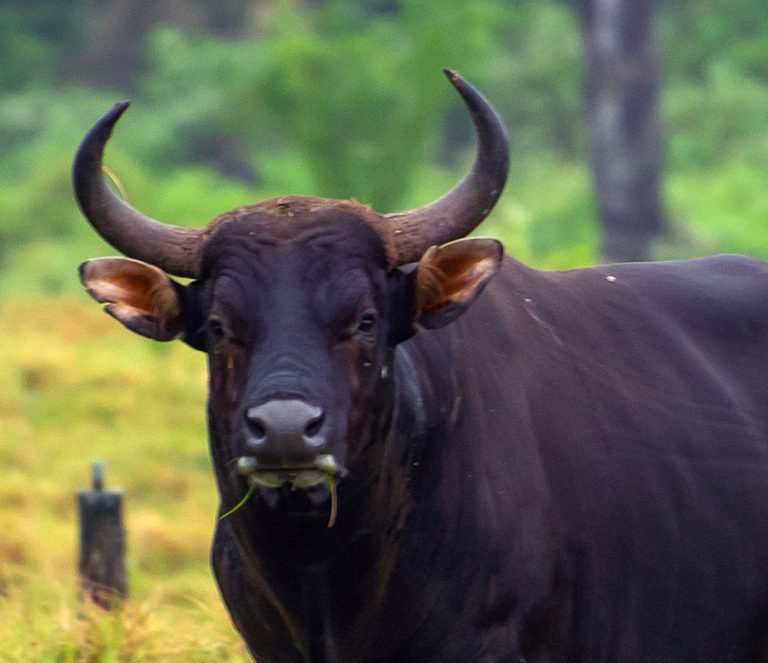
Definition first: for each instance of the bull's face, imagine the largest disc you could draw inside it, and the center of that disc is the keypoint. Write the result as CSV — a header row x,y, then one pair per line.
x,y
297,320
297,302
296,333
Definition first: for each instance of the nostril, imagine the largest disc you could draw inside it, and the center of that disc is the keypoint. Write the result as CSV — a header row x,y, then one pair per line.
x,y
257,429
314,425
255,425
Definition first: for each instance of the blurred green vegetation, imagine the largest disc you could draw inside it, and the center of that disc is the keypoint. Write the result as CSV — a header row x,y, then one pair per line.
x,y
345,99
234,102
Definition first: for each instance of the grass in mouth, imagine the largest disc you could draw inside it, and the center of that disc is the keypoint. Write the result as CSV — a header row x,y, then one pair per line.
x,y
237,506
330,481
334,499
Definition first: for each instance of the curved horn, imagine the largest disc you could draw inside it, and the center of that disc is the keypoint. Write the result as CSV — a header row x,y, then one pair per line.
x,y
460,210
171,248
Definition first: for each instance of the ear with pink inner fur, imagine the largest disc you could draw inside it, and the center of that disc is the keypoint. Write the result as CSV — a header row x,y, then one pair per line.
x,y
139,295
451,276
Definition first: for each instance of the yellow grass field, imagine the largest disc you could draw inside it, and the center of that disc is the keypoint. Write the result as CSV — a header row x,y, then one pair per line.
x,y
76,387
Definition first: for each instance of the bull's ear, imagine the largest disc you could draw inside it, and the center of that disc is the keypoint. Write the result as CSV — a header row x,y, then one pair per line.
x,y
450,277
139,295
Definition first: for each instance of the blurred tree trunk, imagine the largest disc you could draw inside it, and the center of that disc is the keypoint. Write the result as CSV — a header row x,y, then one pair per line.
x,y
113,31
622,87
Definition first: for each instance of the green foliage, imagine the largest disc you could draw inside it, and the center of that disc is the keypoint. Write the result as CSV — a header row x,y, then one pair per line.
x,y
552,217
716,93
309,83
345,99
719,118
729,209
697,33
536,77
33,36
306,102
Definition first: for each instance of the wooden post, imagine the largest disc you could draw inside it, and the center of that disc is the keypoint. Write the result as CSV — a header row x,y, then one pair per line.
x,y
102,542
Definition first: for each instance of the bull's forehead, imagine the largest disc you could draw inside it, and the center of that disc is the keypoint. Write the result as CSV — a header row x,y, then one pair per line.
x,y
318,263
314,226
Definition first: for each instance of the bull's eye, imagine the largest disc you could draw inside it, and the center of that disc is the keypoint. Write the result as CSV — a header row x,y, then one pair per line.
x,y
216,329
366,324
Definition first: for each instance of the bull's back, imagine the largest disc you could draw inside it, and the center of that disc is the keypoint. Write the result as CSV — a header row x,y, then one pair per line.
x,y
638,393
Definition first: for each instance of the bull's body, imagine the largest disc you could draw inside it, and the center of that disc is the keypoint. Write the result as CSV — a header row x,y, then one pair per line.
x,y
577,470
572,468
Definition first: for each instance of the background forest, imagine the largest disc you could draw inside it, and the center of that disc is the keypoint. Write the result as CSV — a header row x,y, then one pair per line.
x,y
234,102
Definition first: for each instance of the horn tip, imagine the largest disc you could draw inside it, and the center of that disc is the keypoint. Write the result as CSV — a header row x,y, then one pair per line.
x,y
100,132
111,117
452,75
117,110
93,143
464,88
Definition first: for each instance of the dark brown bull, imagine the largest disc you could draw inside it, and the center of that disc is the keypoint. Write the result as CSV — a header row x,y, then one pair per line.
x,y
574,469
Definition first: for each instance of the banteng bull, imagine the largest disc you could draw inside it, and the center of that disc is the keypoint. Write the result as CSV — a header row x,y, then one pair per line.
x,y
521,465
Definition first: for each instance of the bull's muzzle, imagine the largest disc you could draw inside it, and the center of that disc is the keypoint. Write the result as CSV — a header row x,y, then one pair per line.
x,y
285,440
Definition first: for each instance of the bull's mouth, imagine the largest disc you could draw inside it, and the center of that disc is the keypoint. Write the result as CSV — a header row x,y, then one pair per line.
x,y
318,472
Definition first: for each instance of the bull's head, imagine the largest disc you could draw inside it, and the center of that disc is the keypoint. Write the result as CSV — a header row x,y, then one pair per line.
x,y
297,302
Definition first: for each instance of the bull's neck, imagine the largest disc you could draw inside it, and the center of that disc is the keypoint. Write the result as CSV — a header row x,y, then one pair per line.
x,y
331,585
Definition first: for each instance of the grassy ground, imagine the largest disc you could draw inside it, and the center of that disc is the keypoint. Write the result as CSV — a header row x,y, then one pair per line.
x,y
77,387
